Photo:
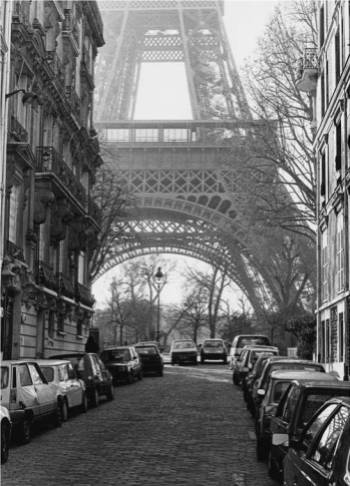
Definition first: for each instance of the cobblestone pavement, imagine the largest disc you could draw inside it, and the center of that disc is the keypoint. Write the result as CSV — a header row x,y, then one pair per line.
x,y
189,428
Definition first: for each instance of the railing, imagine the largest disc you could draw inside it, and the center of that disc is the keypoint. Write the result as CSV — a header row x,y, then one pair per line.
x,y
48,160
55,64
73,98
84,294
46,275
180,132
66,287
17,131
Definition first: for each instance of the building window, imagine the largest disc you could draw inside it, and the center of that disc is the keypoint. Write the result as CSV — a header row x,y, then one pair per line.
x,y
340,252
321,25
81,267
14,212
341,336
80,327
327,341
323,175
337,57
51,324
338,147
324,266
60,323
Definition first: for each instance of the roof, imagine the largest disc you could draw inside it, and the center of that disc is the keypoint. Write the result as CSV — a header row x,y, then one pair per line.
x,y
52,362
303,375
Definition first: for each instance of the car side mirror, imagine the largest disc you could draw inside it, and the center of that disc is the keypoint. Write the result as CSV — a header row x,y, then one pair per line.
x,y
261,392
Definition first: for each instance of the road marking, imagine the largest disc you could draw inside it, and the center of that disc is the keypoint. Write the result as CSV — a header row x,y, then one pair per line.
x,y
251,434
238,479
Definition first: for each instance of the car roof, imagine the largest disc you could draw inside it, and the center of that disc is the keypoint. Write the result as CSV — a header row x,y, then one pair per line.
x,y
9,362
52,362
341,400
266,347
303,375
146,343
113,348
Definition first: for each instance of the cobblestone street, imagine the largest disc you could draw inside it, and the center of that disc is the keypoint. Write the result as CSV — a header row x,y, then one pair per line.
x,y
188,428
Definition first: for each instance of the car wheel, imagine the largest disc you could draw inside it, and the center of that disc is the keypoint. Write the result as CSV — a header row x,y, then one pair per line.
x,y
272,469
235,379
160,372
25,431
84,404
110,393
95,399
140,375
130,378
64,410
5,442
57,416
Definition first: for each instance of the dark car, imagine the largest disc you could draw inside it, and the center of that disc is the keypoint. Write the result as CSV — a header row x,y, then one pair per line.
x,y
251,378
277,383
90,369
214,349
183,351
124,364
321,456
279,363
247,359
298,404
151,359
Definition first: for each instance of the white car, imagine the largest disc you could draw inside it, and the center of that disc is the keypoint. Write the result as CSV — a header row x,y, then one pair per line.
x,y
6,426
72,391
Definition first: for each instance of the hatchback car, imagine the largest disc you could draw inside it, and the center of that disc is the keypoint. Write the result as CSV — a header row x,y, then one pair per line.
x,y
6,426
321,456
300,401
242,340
72,389
247,359
214,349
151,359
251,379
183,351
28,397
275,363
89,368
123,363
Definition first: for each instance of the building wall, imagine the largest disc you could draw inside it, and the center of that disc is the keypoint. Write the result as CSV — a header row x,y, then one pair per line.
x,y
50,221
332,147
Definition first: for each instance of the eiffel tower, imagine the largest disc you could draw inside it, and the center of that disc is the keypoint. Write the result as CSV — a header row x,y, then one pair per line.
x,y
182,173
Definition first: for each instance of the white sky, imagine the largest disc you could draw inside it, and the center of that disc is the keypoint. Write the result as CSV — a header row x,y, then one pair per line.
x,y
163,95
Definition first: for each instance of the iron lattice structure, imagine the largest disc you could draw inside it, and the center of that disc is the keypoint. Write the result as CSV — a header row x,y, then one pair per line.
x,y
183,175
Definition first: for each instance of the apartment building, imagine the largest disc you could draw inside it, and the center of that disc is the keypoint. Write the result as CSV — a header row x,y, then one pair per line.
x,y
51,223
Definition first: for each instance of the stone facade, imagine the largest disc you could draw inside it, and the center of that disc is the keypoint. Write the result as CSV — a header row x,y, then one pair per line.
x,y
51,222
332,149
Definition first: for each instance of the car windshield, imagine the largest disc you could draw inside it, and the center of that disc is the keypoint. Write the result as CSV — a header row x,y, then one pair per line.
x,y
4,377
119,355
146,350
279,388
213,344
256,353
252,340
48,372
184,345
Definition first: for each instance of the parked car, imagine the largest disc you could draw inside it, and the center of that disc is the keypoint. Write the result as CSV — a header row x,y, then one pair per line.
x,y
321,455
251,378
6,427
277,383
247,359
279,363
28,397
123,362
242,340
72,389
298,404
151,359
89,368
214,349
183,351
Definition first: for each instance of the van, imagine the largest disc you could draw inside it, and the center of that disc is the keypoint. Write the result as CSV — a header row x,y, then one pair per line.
x,y
242,340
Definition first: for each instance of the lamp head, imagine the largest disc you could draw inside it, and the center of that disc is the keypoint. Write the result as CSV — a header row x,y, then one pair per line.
x,y
159,275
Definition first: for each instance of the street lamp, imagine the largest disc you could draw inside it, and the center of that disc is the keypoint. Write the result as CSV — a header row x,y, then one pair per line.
x,y
158,276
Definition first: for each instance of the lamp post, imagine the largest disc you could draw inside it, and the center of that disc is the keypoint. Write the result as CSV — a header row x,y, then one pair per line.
x,y
158,276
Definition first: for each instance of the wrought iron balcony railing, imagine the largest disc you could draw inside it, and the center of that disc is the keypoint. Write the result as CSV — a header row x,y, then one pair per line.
x,y
66,287
56,65
46,275
14,251
307,70
48,160
17,131
83,294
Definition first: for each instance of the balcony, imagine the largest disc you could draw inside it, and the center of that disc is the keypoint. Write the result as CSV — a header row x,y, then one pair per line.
x,y
56,65
83,294
48,160
17,132
307,70
65,286
14,251
46,276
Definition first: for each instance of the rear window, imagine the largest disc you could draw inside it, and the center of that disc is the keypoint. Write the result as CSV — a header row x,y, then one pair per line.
x,y
184,345
314,401
119,355
147,350
48,372
262,340
4,377
213,344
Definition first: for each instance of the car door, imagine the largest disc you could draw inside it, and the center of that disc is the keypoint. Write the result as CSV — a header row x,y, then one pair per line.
x,y
296,463
26,391
318,463
45,395
74,388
